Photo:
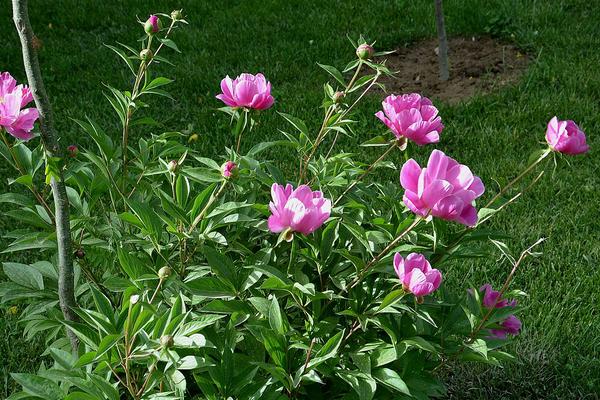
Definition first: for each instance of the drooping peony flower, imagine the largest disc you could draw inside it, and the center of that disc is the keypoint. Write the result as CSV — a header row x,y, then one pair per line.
x,y
412,116
510,326
416,274
566,137
228,169
490,296
152,25
445,189
300,210
17,121
248,91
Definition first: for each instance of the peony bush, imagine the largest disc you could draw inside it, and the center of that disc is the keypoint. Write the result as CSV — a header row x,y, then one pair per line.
x,y
233,276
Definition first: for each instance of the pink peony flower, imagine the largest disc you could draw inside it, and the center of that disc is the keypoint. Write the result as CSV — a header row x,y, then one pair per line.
x,y
416,274
247,90
228,169
490,296
445,189
17,121
152,25
300,210
566,137
413,117
510,326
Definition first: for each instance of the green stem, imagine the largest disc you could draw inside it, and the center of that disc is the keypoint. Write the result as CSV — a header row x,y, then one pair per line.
x,y
518,178
367,171
207,206
383,253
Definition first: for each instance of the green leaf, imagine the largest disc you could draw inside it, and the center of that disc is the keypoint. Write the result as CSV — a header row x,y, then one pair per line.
x,y
169,43
24,275
363,384
210,287
391,379
276,320
39,386
221,265
329,350
333,72
296,123
391,298
157,82
123,56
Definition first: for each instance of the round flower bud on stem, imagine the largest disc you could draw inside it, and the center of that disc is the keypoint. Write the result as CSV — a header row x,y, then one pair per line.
x,y
166,341
72,150
229,170
176,15
164,272
152,25
146,55
338,97
365,51
172,166
80,253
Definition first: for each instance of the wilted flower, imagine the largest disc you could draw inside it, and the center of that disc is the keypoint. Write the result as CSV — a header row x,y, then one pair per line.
x,y
229,169
445,189
491,297
510,326
17,121
300,210
248,91
566,137
365,51
416,274
412,116
152,25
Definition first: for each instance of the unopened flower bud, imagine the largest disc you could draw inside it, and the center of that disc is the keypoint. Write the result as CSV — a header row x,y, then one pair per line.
x,y
176,15
72,151
229,170
146,54
365,51
172,166
166,341
164,272
80,253
134,299
193,137
152,25
338,97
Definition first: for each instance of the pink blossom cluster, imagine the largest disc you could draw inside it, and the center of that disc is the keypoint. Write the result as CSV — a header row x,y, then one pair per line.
x,y
511,325
14,117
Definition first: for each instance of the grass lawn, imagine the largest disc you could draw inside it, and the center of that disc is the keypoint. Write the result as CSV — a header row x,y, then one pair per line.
x,y
559,350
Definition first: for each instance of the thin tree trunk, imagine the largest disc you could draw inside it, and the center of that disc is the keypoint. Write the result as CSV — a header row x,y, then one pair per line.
x,y
443,41
66,290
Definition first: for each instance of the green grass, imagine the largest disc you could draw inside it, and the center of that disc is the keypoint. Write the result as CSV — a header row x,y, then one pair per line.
x,y
559,350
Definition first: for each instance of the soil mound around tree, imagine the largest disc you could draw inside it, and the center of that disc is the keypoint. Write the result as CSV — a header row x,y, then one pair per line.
x,y
477,66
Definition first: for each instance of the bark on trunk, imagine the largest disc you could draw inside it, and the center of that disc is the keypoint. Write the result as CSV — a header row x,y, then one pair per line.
x,y
443,41
66,290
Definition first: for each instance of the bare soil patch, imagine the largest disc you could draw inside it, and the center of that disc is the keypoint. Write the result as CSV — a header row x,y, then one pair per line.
x,y
477,65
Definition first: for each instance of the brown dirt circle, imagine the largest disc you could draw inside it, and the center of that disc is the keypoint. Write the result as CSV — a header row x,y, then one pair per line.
x,y
477,65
